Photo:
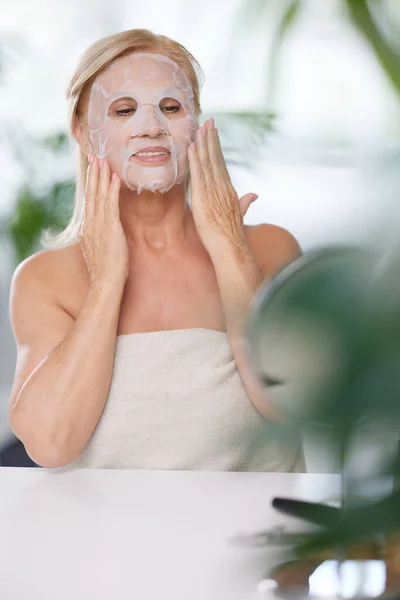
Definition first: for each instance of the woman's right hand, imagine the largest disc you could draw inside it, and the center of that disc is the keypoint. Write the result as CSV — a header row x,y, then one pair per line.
x,y
101,236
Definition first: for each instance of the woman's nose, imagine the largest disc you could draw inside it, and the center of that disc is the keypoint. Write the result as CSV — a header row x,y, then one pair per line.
x,y
151,132
149,122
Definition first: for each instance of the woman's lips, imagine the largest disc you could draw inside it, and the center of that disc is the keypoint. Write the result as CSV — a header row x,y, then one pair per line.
x,y
154,159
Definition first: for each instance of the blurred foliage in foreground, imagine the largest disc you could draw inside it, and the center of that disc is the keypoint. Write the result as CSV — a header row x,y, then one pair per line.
x,y
324,336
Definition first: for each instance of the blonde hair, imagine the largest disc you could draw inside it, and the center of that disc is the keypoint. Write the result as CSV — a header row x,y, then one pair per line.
x,y
96,58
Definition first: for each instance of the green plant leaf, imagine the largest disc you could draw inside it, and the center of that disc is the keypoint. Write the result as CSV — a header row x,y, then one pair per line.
x,y
33,214
57,142
356,524
388,58
289,18
26,223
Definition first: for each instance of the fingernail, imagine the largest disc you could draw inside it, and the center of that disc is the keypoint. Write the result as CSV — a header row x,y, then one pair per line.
x,y
255,196
90,158
210,123
101,162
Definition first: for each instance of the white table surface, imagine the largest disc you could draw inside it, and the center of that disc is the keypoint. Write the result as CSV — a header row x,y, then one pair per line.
x,y
119,534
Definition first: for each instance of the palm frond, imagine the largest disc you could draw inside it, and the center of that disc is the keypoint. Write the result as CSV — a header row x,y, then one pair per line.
x,y
388,58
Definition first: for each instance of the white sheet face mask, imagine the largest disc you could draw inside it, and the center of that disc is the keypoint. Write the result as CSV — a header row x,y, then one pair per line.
x,y
139,101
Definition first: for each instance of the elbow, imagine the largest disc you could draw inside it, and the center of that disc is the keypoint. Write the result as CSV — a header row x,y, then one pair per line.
x,y
44,450
47,460
45,456
48,457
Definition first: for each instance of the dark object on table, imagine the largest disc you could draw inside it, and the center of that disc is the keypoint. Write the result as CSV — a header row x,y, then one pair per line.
x,y
14,455
317,513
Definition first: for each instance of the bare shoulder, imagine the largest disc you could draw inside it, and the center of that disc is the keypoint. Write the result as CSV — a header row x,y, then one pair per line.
x,y
56,274
45,267
273,247
36,268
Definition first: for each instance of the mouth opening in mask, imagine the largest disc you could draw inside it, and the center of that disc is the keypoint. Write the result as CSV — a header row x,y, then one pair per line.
x,y
149,155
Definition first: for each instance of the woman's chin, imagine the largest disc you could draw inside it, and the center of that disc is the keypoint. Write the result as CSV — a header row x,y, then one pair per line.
x,y
149,186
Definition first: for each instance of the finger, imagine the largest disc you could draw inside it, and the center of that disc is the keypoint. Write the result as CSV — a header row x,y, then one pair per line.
x,y
102,190
90,190
112,204
196,172
245,202
221,162
205,161
217,163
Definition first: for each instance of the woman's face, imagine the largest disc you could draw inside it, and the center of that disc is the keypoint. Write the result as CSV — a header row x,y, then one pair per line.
x,y
139,101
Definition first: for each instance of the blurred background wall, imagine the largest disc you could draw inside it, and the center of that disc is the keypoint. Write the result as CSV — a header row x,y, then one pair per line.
x,y
305,93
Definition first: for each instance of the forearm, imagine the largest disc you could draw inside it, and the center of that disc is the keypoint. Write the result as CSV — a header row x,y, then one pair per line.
x,y
238,280
62,400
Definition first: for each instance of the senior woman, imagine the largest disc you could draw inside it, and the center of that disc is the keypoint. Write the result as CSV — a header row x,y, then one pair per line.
x,y
130,324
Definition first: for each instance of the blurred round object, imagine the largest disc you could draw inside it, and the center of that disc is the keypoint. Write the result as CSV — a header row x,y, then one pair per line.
x,y
361,579
305,324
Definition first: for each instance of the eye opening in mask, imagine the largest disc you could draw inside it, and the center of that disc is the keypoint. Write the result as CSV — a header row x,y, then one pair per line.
x,y
172,108
123,107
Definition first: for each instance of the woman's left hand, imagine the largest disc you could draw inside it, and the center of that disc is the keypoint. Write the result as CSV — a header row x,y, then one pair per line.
x,y
217,211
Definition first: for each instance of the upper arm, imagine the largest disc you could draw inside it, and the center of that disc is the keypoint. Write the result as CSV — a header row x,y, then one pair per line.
x,y
39,324
275,248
